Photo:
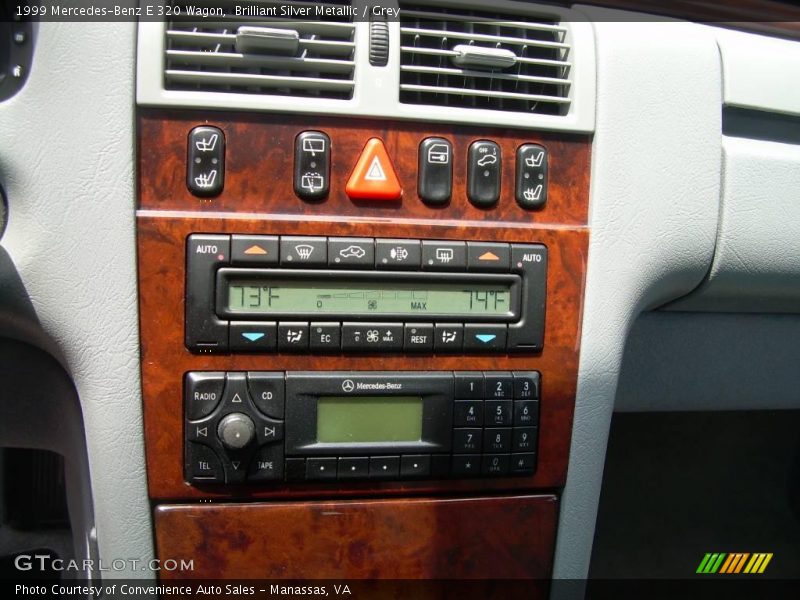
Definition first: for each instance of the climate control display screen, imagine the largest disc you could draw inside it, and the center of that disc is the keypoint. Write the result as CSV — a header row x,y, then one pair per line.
x,y
287,297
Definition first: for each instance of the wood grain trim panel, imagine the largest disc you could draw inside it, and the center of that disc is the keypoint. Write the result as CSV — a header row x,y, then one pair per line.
x,y
161,243
260,157
472,538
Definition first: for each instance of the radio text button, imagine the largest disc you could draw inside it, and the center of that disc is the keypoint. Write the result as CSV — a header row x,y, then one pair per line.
x,y
467,441
468,413
267,391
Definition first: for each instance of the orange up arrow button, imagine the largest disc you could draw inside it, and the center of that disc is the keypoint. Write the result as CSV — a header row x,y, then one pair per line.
x,y
373,177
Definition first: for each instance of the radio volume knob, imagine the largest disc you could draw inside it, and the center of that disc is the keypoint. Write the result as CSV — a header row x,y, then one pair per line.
x,y
236,431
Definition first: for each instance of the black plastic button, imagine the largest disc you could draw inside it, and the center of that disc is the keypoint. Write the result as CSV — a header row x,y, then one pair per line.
x,y
467,441
312,165
435,183
236,396
418,337
293,336
353,467
372,337
267,464
204,331
485,337
495,465
268,392
482,256
205,168
384,467
415,465
254,250
498,413
526,412
483,173
523,464
524,439
325,337
440,465
253,336
468,413
203,464
444,256
235,467
497,440
295,469
321,468
531,261
203,391
469,385
531,176
466,465
397,254
448,337
202,431
526,385
304,251
351,252
269,430
499,385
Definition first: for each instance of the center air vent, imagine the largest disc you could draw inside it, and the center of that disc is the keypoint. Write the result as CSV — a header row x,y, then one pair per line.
x,y
471,59
261,51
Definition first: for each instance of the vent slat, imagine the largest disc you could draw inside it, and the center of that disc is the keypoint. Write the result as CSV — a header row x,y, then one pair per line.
x,y
232,22
479,37
249,79
457,57
482,93
490,74
201,54
233,59
211,40
525,61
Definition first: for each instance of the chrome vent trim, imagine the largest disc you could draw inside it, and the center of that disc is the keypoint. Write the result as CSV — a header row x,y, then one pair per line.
x,y
433,69
201,54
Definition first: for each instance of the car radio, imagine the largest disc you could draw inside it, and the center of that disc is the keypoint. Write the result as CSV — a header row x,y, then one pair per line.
x,y
269,427
258,293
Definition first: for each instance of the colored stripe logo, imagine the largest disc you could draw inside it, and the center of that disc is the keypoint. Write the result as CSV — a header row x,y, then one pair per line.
x,y
734,563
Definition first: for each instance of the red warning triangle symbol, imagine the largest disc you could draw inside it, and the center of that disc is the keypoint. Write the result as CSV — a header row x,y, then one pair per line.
x,y
373,177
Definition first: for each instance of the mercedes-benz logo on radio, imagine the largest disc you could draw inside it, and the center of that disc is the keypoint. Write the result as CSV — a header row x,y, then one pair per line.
x,y
348,385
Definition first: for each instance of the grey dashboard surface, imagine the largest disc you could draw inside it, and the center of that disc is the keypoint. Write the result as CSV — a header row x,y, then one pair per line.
x,y
67,164
653,212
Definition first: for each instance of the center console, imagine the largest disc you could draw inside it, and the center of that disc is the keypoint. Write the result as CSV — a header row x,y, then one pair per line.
x,y
382,359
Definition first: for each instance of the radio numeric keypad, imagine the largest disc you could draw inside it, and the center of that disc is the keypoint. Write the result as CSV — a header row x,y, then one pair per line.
x,y
496,435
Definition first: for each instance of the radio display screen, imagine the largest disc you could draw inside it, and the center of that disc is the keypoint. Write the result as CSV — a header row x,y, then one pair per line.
x,y
422,298
369,419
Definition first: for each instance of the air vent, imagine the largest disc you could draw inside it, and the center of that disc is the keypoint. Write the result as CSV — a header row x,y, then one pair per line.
x,y
261,51
471,59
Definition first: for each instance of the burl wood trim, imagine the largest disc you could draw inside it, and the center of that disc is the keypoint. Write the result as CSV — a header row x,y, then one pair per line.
x,y
161,247
475,538
260,160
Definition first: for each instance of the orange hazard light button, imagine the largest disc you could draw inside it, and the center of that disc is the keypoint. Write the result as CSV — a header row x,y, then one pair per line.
x,y
373,177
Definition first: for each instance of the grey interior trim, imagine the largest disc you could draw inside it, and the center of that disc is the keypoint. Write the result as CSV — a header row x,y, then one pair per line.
x,y
756,267
66,162
654,209
700,361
